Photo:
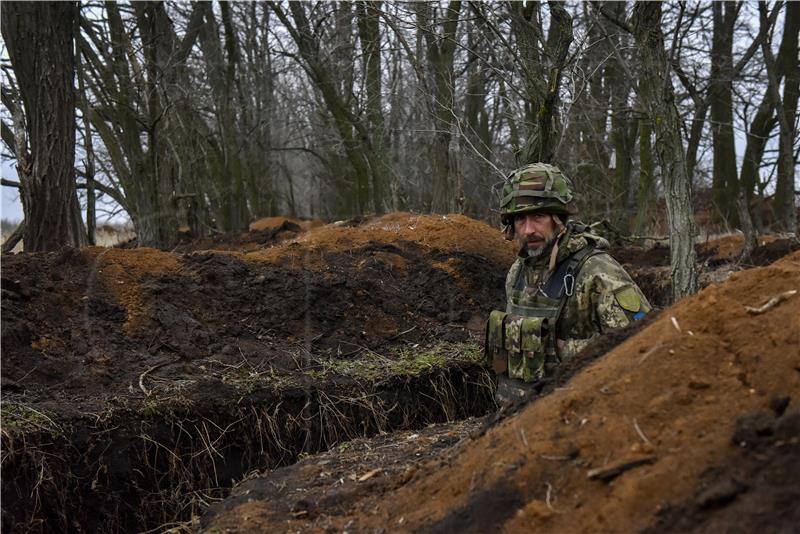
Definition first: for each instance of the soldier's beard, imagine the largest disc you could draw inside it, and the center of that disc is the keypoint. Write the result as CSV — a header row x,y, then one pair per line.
x,y
538,252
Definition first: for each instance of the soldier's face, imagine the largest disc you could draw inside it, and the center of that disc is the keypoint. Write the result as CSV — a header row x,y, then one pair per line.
x,y
535,230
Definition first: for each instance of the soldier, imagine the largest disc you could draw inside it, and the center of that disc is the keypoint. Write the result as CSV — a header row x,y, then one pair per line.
x,y
563,289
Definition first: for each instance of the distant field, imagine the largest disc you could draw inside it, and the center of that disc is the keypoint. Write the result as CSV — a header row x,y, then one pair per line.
x,y
108,235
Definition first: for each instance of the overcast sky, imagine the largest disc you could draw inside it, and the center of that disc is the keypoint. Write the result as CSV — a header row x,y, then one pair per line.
x,y
12,207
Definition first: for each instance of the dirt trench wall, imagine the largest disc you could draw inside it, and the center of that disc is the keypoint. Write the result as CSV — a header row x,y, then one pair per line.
x,y
92,321
132,470
138,383
690,425
717,260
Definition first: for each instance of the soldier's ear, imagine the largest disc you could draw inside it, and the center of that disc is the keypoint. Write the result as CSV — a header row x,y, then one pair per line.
x,y
508,232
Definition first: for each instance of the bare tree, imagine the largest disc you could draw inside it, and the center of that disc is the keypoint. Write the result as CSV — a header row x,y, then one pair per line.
x,y
763,124
370,36
786,110
624,127
199,118
440,48
646,194
542,62
88,162
369,165
39,36
725,186
717,93
655,88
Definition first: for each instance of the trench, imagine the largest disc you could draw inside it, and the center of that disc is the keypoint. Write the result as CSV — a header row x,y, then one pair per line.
x,y
159,468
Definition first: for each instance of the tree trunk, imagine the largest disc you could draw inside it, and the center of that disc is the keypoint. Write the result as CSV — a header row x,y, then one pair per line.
x,y
657,95
788,65
39,37
158,222
623,131
240,213
695,135
369,35
260,93
646,195
542,92
748,232
760,127
234,213
88,146
440,50
725,186
477,137
476,114
594,102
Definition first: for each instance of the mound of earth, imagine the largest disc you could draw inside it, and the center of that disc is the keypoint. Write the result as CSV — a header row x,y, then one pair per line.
x,y
93,320
143,382
717,259
263,232
693,424
270,223
139,385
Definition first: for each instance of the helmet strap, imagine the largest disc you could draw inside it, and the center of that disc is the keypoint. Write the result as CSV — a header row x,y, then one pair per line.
x,y
554,252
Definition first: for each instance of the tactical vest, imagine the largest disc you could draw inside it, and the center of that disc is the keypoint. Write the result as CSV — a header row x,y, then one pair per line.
x,y
521,341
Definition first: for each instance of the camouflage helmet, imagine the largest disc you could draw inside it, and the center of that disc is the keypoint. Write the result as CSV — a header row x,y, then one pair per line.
x,y
536,188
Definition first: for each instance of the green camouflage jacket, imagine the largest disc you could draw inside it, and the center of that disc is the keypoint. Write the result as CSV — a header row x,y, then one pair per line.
x,y
605,296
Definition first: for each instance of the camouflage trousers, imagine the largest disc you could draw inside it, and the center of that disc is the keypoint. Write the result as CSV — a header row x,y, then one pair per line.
x,y
512,390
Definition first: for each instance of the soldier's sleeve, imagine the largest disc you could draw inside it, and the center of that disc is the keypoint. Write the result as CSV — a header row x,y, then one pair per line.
x,y
614,297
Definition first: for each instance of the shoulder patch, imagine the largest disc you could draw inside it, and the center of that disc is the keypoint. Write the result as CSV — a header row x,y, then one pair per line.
x,y
628,299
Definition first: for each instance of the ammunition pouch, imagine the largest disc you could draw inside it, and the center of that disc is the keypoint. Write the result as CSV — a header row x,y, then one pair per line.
x,y
517,345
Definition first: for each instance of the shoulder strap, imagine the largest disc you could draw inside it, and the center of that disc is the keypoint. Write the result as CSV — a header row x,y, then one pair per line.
x,y
562,282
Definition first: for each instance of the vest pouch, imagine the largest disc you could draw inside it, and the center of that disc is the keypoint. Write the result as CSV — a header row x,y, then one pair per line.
x,y
526,344
495,351
531,334
513,345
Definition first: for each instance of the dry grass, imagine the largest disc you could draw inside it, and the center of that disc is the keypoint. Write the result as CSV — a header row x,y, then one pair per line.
x,y
182,457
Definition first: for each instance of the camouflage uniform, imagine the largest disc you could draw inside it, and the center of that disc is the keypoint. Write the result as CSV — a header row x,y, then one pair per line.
x,y
545,324
604,296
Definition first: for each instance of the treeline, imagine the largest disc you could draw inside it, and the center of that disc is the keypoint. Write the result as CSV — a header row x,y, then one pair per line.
x,y
198,117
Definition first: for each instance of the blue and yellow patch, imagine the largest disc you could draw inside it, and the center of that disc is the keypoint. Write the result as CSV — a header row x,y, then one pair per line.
x,y
628,299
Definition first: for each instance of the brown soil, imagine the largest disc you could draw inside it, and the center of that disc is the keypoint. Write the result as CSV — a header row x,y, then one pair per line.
x,y
333,480
74,314
138,384
692,424
726,249
320,336
270,223
455,233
